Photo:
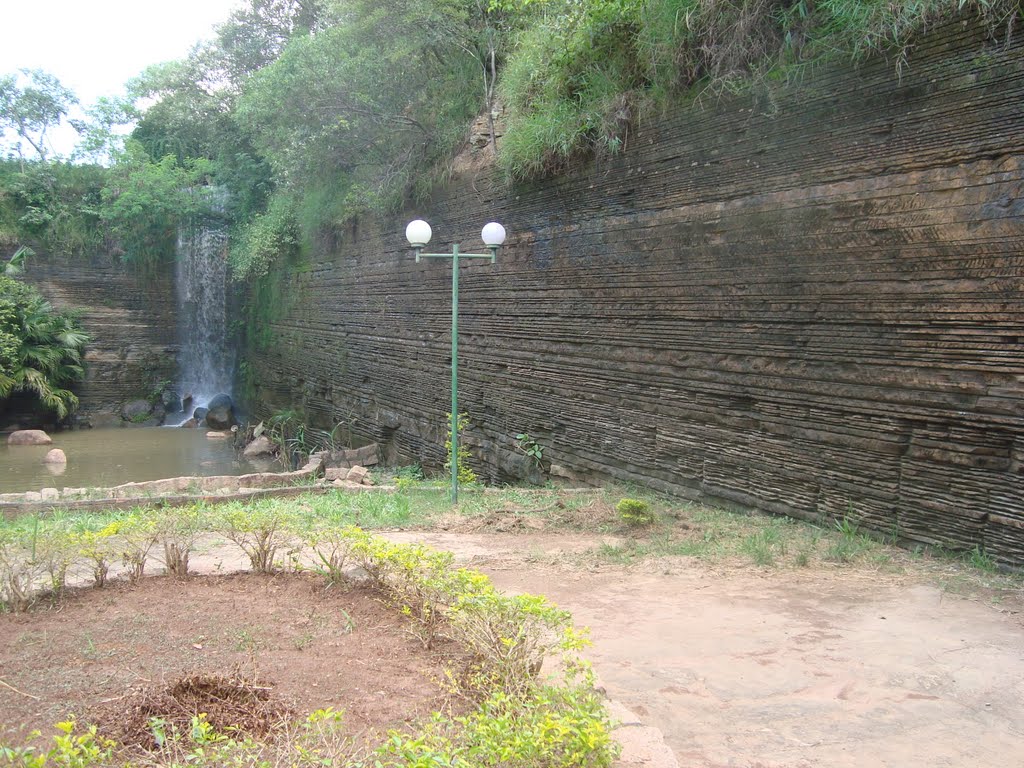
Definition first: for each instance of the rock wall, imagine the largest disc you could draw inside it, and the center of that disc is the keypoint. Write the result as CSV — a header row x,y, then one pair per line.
x,y
131,317
804,302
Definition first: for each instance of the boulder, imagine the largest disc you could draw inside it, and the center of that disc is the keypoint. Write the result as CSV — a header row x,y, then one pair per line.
x,y
171,401
220,401
261,446
190,423
29,437
55,456
220,413
49,494
136,411
199,414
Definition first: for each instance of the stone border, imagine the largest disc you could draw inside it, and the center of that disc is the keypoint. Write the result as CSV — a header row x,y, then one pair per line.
x,y
168,492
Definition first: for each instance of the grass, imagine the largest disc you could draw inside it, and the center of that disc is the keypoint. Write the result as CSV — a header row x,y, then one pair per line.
x,y
582,74
680,529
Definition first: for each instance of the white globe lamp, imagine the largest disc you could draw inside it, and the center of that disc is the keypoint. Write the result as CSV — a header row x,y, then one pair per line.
x,y
418,233
493,234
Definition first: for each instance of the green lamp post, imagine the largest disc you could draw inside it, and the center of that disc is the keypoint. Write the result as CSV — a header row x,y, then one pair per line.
x,y
418,233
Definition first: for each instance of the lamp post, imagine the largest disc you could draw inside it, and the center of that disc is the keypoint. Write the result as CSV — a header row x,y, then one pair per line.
x,y
418,233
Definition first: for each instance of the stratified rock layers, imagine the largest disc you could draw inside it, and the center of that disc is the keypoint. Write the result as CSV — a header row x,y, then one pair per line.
x,y
808,302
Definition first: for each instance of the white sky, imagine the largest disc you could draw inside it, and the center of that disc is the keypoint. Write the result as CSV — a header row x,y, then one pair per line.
x,y
95,46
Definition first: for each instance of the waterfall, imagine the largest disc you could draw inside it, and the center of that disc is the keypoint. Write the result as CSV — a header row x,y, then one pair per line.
x,y
205,361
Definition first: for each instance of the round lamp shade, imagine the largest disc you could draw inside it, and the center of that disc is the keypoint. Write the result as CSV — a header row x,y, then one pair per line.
x,y
418,233
493,234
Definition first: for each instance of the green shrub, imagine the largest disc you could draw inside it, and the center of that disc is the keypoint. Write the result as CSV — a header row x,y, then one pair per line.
x,y
520,720
636,512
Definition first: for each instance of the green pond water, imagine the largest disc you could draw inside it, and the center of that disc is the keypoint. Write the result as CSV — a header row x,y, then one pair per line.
x,y
106,457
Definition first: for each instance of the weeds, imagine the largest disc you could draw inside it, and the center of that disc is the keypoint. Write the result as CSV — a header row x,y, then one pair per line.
x,y
258,529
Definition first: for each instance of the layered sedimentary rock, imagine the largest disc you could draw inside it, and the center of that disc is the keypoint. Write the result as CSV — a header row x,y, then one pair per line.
x,y
807,301
130,316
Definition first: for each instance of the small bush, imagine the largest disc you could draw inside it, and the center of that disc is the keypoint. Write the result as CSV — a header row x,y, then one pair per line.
x,y
636,512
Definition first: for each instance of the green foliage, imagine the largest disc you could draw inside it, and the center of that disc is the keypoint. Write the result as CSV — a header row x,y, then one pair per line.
x,y
294,438
465,473
144,202
636,512
520,720
530,448
555,726
32,103
851,541
980,559
69,750
40,349
267,237
55,204
365,105
764,545
259,529
584,71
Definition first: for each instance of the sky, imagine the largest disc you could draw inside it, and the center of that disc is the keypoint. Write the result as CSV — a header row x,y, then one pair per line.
x,y
95,46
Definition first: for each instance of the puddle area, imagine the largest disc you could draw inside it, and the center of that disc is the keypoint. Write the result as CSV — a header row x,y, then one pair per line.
x,y
109,457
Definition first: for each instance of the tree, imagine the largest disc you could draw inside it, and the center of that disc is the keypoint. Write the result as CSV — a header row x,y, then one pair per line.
x,y
103,131
145,200
40,349
16,265
33,109
254,36
368,103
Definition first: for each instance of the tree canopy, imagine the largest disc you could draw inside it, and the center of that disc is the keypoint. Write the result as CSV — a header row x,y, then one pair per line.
x,y
32,103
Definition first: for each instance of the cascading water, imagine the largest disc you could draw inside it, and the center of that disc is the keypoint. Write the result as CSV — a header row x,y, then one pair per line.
x,y
206,362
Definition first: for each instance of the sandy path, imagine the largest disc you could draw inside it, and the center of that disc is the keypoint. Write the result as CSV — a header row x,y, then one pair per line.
x,y
787,668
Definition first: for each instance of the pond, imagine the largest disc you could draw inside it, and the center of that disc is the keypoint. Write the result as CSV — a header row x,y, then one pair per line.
x,y
107,457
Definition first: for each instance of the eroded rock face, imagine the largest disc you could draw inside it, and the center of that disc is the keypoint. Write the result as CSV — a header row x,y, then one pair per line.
x,y
29,437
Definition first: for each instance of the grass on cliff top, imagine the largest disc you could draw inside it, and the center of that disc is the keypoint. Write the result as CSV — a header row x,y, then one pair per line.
x,y
583,73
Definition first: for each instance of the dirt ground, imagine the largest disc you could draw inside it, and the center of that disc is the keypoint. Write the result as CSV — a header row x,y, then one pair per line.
x,y
103,651
707,666
786,668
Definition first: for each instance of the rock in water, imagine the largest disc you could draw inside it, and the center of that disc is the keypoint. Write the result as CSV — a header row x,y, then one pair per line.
x,y
171,401
261,446
55,456
136,411
29,437
220,412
